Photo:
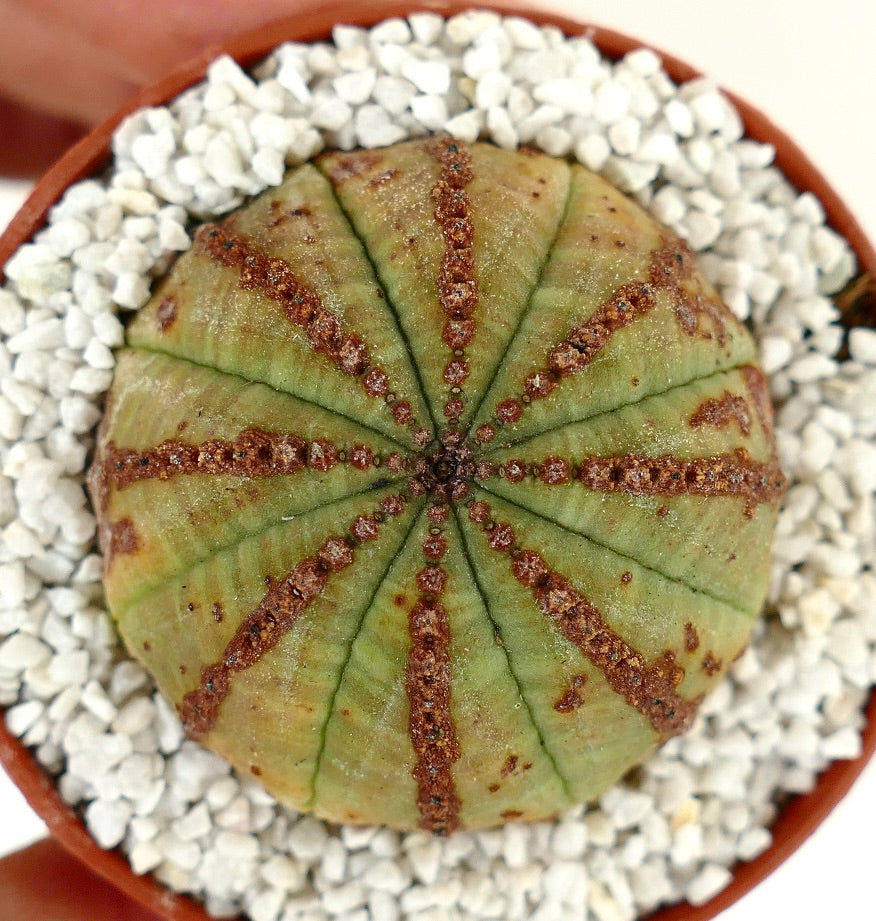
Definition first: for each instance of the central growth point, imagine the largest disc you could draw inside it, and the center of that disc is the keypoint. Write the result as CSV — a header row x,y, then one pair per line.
x,y
445,469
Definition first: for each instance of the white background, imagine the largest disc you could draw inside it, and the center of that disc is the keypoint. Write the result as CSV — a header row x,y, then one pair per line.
x,y
810,66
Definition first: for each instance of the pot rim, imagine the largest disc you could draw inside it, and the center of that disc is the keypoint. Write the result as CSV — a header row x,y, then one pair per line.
x,y
802,814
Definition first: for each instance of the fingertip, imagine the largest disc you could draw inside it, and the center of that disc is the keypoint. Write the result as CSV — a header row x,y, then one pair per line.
x,y
31,141
44,883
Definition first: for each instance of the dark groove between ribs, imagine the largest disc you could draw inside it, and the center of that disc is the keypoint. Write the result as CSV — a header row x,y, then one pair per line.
x,y
427,683
670,265
650,689
275,614
457,279
252,453
273,278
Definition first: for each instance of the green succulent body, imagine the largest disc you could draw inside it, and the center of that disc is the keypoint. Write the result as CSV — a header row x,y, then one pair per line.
x,y
436,486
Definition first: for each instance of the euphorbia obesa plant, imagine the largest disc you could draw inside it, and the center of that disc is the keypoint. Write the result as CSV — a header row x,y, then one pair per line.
x,y
436,486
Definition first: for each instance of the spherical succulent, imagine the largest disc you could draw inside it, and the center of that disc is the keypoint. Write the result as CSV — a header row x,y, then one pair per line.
x,y
436,486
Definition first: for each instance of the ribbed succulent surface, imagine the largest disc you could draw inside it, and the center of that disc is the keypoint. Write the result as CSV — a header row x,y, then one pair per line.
x,y
436,486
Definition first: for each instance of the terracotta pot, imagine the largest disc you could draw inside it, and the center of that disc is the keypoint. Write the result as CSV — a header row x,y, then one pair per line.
x,y
799,817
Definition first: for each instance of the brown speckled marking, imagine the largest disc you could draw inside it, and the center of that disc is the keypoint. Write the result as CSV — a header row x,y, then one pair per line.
x,y
361,457
123,538
626,578
376,383
365,529
263,628
485,470
514,471
672,265
721,411
510,765
572,698
427,683
258,633
166,313
485,433
720,475
649,688
511,814
456,372
352,164
508,412
273,278
711,664
280,212
669,266
216,611
252,453
554,471
758,389
435,547
393,505
585,342
383,178
431,580
395,462
457,279
691,637
401,412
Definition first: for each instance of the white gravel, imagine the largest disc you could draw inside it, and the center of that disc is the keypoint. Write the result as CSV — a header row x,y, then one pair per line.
x,y
793,701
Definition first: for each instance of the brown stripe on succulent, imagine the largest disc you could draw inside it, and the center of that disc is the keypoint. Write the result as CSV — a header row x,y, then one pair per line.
x,y
427,683
120,537
673,264
572,698
735,475
457,279
669,266
166,313
758,389
711,664
651,688
274,616
326,334
721,411
353,164
252,453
